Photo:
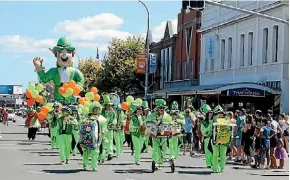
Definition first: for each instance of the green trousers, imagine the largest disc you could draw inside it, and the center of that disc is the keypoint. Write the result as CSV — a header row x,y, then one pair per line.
x,y
208,154
119,138
138,145
146,142
94,155
76,137
174,148
65,146
53,138
219,151
108,145
158,155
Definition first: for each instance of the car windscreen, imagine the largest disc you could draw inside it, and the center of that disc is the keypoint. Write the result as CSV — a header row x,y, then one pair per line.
x,y
10,111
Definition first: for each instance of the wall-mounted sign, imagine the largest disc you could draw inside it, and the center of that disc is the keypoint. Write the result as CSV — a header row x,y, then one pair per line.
x,y
17,90
6,89
246,92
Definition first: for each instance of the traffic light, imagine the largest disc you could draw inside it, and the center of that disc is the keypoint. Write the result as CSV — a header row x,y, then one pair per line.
x,y
193,4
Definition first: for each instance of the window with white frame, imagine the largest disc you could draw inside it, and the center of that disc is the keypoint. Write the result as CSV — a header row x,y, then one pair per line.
x,y
223,51
188,33
184,70
242,50
230,51
275,43
265,46
191,69
250,48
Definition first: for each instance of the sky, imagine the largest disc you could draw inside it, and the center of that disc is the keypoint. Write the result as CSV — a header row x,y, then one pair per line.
x,y
28,29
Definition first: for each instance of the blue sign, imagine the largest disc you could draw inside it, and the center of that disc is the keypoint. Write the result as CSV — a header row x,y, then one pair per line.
x,y
6,89
152,63
246,92
210,47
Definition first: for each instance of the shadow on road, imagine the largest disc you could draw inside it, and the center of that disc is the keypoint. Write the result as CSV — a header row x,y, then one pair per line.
x,y
133,171
45,152
15,133
42,164
40,149
244,168
196,172
191,167
269,175
48,155
114,164
59,171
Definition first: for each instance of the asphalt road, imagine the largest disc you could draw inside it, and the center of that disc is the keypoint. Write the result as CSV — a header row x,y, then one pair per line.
x,y
21,159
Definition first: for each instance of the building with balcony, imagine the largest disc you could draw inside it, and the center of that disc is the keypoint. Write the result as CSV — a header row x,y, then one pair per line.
x,y
245,58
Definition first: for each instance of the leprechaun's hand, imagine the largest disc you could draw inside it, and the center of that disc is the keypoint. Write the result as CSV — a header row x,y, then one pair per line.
x,y
37,61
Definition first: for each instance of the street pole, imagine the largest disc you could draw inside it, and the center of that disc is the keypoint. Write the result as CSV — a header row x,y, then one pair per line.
x,y
147,52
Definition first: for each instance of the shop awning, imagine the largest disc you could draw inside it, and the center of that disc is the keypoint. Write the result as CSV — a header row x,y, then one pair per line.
x,y
212,89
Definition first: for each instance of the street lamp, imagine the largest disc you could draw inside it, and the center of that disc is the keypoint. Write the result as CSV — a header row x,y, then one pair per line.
x,y
147,51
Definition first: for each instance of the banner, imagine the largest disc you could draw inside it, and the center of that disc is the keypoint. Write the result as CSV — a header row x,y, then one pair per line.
x,y
141,63
6,89
210,47
153,63
246,92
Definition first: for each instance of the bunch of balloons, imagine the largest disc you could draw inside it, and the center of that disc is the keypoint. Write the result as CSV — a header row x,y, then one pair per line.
x,y
69,89
129,100
90,98
42,115
32,93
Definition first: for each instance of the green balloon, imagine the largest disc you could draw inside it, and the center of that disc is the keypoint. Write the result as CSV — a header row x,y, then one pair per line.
x,y
31,87
50,106
129,99
81,106
90,95
69,91
34,93
139,101
86,110
39,87
87,104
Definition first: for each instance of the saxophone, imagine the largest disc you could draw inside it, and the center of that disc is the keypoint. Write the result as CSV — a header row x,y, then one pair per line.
x,y
119,122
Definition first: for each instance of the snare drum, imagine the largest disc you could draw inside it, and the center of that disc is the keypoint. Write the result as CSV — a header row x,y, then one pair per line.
x,y
176,130
151,129
165,129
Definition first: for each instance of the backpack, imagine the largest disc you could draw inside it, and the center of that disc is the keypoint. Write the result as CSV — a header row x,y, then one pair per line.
x,y
88,138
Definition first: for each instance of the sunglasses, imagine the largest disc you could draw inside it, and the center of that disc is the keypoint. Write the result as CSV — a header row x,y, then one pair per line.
x,y
161,108
139,109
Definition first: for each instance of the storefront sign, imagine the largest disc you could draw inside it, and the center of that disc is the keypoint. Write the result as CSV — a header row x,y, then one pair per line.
x,y
246,92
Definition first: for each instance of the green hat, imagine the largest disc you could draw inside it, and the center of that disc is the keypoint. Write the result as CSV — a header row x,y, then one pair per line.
x,y
95,105
145,105
174,105
160,103
218,108
134,106
205,108
107,100
63,43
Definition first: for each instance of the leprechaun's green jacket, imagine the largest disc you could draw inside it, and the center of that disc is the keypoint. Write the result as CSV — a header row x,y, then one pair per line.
x,y
53,74
111,117
121,116
206,128
69,126
166,118
135,124
52,123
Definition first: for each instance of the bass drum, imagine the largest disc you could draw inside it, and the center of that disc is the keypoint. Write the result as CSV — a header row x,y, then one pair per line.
x,y
89,134
151,129
165,129
176,130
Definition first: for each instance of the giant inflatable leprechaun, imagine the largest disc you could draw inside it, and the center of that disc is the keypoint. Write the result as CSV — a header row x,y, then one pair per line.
x,y
63,73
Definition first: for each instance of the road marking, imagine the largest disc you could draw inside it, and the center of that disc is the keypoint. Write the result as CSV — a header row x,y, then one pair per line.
x,y
36,172
7,144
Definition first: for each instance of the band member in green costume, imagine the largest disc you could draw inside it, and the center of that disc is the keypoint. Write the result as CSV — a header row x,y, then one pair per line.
x,y
206,130
53,126
65,123
75,131
222,140
159,117
136,130
146,113
111,117
119,135
63,72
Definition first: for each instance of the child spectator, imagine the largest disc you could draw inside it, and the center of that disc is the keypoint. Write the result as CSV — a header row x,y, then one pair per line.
x,y
280,153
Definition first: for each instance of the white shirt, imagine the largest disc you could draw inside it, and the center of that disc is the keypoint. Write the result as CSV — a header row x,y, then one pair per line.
x,y
283,124
64,75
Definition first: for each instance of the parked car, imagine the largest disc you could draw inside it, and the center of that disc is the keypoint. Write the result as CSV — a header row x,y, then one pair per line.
x,y
11,115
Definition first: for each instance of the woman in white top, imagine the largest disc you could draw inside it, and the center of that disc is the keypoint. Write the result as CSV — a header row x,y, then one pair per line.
x,y
284,124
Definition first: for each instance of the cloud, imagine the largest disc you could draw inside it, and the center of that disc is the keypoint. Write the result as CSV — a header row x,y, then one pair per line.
x,y
23,44
158,31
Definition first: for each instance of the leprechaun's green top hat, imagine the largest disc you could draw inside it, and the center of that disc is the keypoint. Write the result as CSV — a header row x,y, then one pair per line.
x,y
95,105
160,103
107,100
63,44
134,106
145,105
205,108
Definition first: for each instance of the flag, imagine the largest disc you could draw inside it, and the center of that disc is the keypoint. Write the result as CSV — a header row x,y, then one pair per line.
x,y
97,53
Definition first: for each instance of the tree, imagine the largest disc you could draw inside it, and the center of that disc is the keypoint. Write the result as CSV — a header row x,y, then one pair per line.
x,y
119,73
92,71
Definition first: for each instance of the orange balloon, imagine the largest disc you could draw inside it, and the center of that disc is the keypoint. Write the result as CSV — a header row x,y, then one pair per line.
x,y
30,102
59,106
62,90
45,109
65,85
41,116
82,101
28,94
72,84
77,90
97,97
94,90
125,106
39,99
